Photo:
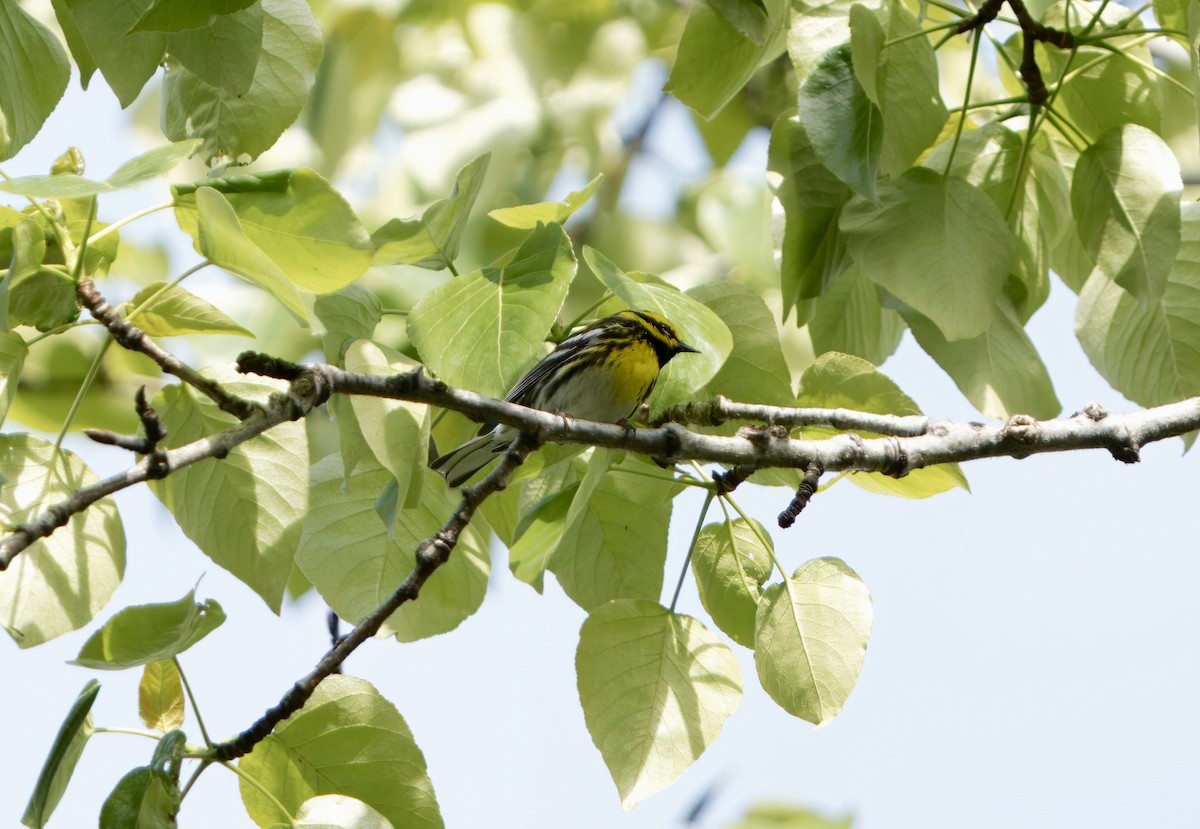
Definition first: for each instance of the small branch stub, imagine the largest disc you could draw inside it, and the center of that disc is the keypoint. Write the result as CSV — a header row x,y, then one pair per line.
x,y
804,494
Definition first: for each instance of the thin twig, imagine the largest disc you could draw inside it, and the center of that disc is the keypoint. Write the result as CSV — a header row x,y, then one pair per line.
x,y
431,554
133,338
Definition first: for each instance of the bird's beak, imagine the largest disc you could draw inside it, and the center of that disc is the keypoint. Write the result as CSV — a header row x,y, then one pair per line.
x,y
684,348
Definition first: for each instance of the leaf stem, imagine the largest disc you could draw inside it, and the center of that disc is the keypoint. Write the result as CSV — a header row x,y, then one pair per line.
x,y
132,217
136,732
708,499
950,24
261,789
962,119
195,776
192,699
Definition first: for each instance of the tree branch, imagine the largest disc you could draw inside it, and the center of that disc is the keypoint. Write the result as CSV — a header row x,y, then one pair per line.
x,y
1031,32
431,554
133,338
909,443
306,391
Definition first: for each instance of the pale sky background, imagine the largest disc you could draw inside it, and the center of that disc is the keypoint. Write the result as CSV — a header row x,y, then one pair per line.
x,y
1033,660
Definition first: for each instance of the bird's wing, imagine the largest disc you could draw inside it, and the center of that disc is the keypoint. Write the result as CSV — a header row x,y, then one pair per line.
x,y
551,363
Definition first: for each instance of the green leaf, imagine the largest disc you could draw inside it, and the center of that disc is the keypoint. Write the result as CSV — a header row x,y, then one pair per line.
x,y
45,300
841,381
64,755
697,324
178,15
656,687
12,358
715,59
999,371
336,811
225,53
750,17
432,241
528,216
844,127
849,318
220,237
348,555
349,314
501,312
813,250
396,430
148,633
1149,354
160,696
145,798
1106,89
731,565
939,245
1172,14
755,371
240,127
543,527
175,311
75,42
127,61
810,638
614,543
348,740
58,584
817,26
1125,198
997,160
783,816
35,72
306,228
898,72
260,490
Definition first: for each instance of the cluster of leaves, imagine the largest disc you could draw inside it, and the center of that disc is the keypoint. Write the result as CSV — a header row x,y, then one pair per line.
x,y
351,521
899,214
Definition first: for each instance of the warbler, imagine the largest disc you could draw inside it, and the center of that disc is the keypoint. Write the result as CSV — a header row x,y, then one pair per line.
x,y
603,373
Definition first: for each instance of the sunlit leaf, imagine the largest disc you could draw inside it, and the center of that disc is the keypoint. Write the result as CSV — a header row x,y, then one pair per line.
x,y
148,633
483,330
656,687
731,565
160,696
529,215
348,740
810,638
241,127
432,240
59,583
614,542
939,245
1125,198
175,312
35,76
355,564
259,490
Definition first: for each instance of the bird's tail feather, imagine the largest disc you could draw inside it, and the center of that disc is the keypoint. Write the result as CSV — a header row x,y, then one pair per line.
x,y
460,464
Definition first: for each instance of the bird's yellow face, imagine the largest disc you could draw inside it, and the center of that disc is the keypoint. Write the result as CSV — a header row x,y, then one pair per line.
x,y
658,332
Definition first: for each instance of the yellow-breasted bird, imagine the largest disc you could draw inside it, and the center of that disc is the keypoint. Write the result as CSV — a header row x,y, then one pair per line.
x,y
603,373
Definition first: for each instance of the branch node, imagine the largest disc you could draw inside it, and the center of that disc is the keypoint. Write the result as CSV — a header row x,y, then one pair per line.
x,y
1095,411
804,494
730,479
254,362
